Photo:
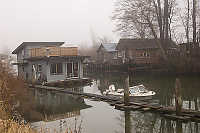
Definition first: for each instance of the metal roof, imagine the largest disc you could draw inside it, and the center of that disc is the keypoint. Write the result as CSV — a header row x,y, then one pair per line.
x,y
50,44
109,47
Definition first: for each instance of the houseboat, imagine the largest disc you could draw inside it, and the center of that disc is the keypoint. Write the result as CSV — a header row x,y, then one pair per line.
x,y
48,62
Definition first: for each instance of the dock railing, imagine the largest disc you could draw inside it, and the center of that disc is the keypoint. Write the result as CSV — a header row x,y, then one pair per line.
x,y
53,51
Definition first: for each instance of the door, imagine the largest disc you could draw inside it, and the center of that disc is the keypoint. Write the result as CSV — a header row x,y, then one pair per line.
x,y
75,69
72,69
69,70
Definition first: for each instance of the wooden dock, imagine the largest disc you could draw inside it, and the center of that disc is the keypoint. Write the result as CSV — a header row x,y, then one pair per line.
x,y
69,82
169,112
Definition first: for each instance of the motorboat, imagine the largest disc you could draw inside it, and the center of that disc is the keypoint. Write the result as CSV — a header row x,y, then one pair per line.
x,y
141,91
134,91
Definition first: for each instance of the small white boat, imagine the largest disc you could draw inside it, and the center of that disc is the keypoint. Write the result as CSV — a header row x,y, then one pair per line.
x,y
141,91
135,91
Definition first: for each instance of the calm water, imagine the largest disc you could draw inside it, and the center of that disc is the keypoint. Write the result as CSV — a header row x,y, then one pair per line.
x,y
64,111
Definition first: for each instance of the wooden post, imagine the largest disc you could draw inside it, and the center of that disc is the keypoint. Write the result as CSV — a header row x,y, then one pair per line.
x,y
179,128
178,99
126,91
127,121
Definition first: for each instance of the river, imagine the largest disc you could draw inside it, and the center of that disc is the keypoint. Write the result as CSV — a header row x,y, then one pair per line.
x,y
64,111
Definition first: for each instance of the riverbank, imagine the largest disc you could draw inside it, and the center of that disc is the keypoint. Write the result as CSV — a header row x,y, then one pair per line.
x,y
15,98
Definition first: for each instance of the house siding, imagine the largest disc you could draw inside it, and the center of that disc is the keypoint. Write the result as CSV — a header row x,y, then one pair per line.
x,y
46,70
51,77
139,51
104,56
28,73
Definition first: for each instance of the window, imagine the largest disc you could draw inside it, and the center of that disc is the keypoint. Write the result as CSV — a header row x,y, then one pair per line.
x,y
115,55
145,54
59,68
39,68
56,68
119,54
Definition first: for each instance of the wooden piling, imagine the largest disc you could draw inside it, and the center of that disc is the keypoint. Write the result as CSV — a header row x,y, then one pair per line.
x,y
127,121
126,91
178,98
179,128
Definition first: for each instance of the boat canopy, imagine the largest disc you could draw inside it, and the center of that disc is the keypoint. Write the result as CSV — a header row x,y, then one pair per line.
x,y
137,89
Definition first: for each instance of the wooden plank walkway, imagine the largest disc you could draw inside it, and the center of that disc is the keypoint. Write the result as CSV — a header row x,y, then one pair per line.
x,y
138,105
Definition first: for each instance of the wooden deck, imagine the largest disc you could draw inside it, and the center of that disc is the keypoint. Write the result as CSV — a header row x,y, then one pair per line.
x,y
53,51
138,105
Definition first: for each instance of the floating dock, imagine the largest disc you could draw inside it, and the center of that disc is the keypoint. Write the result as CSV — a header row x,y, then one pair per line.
x,y
153,106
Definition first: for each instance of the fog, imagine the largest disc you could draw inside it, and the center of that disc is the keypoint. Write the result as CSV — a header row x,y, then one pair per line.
x,y
54,20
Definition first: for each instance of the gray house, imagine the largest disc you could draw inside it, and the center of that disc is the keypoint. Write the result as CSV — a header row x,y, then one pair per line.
x,y
47,61
107,52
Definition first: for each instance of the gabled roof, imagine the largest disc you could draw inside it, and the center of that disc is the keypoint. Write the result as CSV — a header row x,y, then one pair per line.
x,y
109,47
190,43
140,44
47,44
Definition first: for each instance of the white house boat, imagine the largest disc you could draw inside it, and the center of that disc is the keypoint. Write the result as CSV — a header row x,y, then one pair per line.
x,y
135,91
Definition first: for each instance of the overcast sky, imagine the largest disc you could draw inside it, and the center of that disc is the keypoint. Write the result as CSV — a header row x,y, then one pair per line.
x,y
53,20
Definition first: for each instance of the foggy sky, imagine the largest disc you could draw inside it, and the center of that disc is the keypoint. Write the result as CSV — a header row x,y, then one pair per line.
x,y
53,20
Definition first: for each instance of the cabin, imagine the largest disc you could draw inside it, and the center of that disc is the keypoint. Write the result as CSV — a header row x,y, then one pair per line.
x,y
106,53
141,51
189,49
48,61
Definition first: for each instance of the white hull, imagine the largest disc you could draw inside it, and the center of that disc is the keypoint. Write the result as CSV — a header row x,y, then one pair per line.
x,y
150,93
134,92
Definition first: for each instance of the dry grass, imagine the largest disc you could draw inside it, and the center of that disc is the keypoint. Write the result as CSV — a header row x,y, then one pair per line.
x,y
9,126
13,91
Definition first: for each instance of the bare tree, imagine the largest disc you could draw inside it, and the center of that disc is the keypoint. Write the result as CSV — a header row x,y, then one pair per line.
x,y
90,50
194,23
187,24
148,16
129,18
186,20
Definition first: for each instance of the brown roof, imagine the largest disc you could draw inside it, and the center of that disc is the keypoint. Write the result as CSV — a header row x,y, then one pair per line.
x,y
190,43
140,44
37,44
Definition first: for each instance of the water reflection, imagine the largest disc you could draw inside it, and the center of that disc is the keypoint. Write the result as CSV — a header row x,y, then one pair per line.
x,y
55,105
138,122
127,121
162,85
102,117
